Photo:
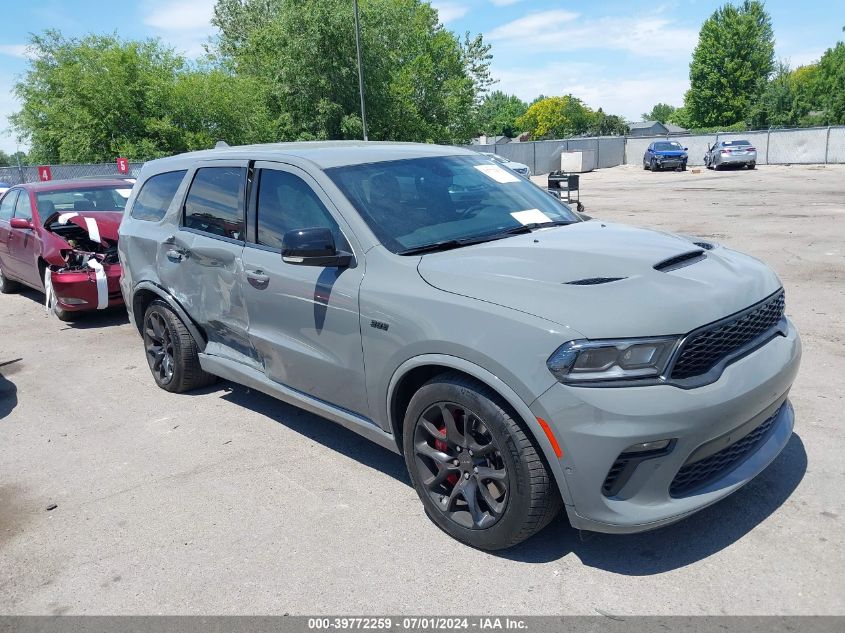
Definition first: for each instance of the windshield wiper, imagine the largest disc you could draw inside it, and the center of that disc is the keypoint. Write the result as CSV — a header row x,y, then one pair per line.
x,y
479,239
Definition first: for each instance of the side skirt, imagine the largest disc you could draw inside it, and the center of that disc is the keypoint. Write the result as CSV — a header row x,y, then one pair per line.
x,y
243,375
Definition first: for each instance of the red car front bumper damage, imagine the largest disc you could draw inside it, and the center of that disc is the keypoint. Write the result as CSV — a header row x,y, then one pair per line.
x,y
77,290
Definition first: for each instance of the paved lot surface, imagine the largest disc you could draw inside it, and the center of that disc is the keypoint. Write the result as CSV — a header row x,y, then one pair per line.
x,y
228,502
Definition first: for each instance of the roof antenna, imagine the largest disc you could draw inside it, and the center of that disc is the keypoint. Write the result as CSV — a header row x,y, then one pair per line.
x,y
221,145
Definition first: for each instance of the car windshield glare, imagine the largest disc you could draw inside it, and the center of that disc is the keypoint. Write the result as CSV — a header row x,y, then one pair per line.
x,y
88,199
668,147
418,202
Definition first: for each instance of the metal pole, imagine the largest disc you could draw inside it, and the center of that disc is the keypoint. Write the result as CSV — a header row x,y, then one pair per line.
x,y
827,145
360,69
18,157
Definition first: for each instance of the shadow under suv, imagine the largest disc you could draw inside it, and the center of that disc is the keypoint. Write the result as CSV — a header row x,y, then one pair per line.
x,y
520,358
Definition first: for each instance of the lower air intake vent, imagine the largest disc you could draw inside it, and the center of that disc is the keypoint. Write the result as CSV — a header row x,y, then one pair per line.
x,y
594,281
679,261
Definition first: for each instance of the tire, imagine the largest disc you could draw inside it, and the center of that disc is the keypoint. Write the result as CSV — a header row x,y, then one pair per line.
x,y
7,286
683,166
751,165
171,351
449,465
652,167
645,165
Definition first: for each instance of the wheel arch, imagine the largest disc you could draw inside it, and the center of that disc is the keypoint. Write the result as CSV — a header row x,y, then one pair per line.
x,y
413,373
145,293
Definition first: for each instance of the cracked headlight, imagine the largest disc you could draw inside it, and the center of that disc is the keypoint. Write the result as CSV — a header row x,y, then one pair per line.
x,y
585,361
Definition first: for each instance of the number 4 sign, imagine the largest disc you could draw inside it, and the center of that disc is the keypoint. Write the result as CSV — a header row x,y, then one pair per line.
x,y
44,173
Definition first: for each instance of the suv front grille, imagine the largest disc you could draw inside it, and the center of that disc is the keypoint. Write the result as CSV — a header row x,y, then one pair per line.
x,y
705,349
697,474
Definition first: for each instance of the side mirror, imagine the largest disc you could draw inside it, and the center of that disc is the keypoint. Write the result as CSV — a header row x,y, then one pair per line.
x,y
313,247
21,223
686,149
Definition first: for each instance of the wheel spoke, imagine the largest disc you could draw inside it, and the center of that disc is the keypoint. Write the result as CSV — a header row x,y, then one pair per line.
x,y
495,506
432,430
452,432
484,474
432,453
443,471
469,493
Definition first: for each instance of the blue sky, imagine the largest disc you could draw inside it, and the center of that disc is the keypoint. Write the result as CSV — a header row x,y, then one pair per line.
x,y
621,55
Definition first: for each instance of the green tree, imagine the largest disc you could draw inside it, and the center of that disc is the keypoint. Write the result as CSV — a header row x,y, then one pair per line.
x,y
421,82
660,112
607,125
5,159
556,117
730,65
498,113
829,85
95,98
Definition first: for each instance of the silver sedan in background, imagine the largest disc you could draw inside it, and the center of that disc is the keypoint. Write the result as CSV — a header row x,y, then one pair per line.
x,y
724,153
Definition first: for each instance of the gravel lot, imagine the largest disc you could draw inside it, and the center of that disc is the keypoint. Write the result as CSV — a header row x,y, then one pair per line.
x,y
229,502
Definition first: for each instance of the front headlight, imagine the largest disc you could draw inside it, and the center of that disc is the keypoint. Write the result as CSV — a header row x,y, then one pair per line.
x,y
585,361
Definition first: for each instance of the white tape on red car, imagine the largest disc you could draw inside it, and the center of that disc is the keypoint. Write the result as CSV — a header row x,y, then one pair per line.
x,y
90,223
102,284
48,289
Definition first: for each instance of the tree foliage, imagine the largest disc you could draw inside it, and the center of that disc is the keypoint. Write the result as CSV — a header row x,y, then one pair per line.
x,y
828,89
730,65
421,82
91,99
660,112
498,113
560,117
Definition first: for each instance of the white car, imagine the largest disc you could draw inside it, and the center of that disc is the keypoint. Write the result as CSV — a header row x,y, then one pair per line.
x,y
522,170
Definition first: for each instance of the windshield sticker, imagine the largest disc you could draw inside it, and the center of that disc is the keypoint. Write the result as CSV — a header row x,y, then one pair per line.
x,y
531,216
499,174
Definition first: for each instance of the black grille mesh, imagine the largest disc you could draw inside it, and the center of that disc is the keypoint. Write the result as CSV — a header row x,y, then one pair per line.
x,y
697,474
705,349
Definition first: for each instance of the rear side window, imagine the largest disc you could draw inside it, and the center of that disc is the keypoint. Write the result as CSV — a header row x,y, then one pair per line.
x,y
286,203
214,202
7,205
156,195
23,209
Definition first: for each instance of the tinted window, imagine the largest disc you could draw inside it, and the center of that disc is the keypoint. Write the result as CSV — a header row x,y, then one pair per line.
x,y
732,143
23,209
7,205
422,201
156,195
214,204
287,203
671,146
89,199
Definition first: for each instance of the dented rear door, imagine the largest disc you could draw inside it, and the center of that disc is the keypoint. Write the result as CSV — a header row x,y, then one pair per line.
x,y
200,263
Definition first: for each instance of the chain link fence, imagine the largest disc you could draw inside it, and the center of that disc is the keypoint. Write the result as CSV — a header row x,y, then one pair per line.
x,y
29,173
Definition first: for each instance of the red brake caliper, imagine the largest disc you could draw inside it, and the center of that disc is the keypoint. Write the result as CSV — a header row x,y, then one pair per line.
x,y
443,447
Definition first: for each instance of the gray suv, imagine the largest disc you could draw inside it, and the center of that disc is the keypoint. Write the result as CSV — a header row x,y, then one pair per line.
x,y
519,358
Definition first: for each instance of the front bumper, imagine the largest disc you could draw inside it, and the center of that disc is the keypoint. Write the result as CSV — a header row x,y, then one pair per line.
x,y
595,425
665,162
76,290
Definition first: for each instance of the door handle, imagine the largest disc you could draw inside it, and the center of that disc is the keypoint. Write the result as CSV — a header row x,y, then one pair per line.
x,y
177,254
258,276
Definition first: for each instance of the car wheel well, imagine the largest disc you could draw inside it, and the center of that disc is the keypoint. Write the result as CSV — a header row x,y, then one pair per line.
x,y
411,382
140,302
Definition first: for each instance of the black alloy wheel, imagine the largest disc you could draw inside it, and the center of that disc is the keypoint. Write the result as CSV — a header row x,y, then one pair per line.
x,y
460,465
158,344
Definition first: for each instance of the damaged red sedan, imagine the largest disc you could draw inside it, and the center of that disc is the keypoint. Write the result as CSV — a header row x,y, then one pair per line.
x,y
60,237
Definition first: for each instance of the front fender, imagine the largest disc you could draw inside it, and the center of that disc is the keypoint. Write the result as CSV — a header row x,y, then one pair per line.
x,y
495,383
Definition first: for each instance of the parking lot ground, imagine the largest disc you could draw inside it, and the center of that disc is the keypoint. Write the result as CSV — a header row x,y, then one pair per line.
x,y
229,502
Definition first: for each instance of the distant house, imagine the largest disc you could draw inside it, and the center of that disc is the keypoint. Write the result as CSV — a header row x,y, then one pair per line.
x,y
655,128
490,140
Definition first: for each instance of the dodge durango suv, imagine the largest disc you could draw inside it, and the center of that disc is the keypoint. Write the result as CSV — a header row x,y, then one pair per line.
x,y
520,358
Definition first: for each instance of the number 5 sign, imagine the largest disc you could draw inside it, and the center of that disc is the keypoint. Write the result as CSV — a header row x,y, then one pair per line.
x,y
44,173
122,166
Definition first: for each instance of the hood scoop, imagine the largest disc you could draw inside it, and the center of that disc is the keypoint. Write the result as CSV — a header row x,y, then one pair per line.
x,y
680,261
594,281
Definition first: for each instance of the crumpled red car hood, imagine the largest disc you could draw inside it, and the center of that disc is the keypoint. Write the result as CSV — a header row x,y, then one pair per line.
x,y
107,221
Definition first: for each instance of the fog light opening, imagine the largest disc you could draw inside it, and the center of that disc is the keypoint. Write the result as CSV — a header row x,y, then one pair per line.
x,y
647,447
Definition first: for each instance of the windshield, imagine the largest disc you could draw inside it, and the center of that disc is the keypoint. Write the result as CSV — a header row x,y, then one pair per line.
x,y
423,201
89,199
670,146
